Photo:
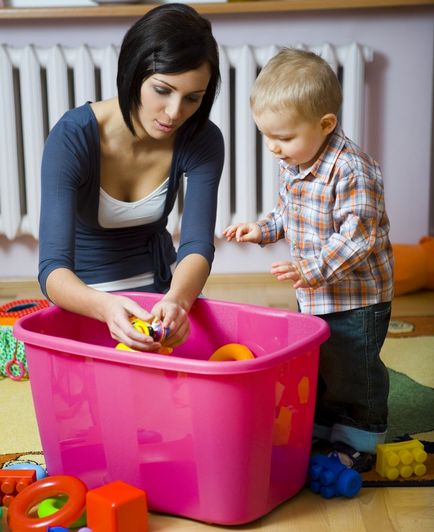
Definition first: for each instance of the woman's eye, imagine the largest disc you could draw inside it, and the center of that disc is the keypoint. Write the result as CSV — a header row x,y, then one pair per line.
x,y
194,99
161,90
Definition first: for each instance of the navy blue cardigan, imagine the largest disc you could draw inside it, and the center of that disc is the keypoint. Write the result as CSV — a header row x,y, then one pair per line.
x,y
69,233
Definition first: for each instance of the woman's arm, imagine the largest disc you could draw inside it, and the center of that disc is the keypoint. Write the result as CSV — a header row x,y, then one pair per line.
x,y
202,164
188,280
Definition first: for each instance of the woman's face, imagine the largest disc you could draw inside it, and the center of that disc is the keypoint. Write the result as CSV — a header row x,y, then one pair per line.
x,y
168,100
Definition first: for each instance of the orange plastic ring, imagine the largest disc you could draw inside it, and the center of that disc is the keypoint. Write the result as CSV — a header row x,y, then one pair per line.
x,y
232,352
48,487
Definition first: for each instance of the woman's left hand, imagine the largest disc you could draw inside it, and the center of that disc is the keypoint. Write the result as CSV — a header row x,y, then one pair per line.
x,y
176,318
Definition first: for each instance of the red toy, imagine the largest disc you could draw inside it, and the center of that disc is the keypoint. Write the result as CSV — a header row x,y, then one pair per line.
x,y
13,482
114,507
117,507
19,515
12,311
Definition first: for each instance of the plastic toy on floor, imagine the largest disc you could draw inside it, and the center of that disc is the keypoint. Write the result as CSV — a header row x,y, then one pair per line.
x,y
414,266
12,311
401,459
13,362
113,507
19,516
13,483
330,478
19,465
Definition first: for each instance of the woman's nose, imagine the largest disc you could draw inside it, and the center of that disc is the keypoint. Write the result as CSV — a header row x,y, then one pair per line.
x,y
174,109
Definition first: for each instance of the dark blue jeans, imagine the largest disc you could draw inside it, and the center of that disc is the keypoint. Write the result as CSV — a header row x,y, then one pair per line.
x,y
353,382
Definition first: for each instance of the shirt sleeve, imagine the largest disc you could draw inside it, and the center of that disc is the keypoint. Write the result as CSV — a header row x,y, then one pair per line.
x,y
63,168
358,209
203,170
272,226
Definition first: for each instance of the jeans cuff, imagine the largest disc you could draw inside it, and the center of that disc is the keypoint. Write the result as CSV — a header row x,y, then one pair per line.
x,y
362,440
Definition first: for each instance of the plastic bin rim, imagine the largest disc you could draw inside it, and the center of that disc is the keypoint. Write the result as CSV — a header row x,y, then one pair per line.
x,y
166,362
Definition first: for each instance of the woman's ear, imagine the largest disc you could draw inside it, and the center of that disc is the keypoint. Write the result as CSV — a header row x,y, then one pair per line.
x,y
328,123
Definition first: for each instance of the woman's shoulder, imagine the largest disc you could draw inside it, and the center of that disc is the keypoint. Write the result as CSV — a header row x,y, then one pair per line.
x,y
76,127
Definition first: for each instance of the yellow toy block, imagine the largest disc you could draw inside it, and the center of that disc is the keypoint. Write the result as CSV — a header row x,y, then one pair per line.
x,y
401,459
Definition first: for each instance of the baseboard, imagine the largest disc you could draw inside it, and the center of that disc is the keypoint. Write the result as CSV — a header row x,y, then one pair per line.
x,y
254,288
19,288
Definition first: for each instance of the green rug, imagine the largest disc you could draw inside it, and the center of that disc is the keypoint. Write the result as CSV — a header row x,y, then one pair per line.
x,y
411,406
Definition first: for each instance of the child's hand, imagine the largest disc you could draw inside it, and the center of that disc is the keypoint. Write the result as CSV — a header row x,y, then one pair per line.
x,y
244,232
288,271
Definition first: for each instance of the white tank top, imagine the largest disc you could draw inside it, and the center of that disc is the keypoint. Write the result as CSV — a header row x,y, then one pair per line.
x,y
113,214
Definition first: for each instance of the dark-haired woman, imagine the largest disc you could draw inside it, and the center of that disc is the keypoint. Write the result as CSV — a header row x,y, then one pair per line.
x,y
111,171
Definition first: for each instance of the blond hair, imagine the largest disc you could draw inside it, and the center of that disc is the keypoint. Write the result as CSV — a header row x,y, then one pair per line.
x,y
299,80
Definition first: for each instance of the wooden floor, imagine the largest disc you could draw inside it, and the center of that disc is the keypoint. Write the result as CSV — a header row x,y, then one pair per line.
x,y
372,510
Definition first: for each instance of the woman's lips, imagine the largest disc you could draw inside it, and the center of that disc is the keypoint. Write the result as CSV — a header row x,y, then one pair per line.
x,y
164,127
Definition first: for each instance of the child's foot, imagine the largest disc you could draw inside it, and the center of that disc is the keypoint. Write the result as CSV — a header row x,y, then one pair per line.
x,y
352,458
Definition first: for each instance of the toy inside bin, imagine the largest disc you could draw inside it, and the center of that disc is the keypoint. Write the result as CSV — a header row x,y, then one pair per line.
x,y
221,442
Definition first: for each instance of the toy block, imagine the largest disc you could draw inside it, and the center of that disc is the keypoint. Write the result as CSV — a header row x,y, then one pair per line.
x,y
13,482
330,478
401,459
117,507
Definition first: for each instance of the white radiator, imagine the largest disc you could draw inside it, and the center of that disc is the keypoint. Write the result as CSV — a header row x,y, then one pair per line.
x,y
37,85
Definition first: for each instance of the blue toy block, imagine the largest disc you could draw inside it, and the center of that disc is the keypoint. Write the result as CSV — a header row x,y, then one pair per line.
x,y
330,478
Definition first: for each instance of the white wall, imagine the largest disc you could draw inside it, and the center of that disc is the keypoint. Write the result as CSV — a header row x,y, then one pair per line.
x,y
399,92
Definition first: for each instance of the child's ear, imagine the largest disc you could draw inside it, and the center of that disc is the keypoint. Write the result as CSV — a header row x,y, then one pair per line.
x,y
328,123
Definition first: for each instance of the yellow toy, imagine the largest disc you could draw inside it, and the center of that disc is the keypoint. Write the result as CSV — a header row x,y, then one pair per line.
x,y
231,352
401,459
155,330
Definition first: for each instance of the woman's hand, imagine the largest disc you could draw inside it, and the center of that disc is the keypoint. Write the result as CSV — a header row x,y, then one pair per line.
x,y
116,311
175,318
244,232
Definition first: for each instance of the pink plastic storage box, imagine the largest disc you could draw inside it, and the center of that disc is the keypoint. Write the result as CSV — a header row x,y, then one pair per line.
x,y
221,442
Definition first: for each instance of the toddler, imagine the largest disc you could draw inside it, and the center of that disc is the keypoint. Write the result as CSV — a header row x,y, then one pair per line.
x,y
331,212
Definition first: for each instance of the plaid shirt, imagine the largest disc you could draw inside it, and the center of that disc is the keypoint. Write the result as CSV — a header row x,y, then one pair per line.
x,y
334,219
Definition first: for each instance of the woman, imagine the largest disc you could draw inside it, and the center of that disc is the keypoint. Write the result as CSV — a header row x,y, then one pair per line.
x,y
111,171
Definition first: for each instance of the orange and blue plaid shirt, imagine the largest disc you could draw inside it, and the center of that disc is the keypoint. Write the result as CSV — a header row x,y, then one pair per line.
x,y
334,219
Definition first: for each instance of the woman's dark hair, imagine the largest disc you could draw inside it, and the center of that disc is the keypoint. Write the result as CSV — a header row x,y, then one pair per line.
x,y
169,39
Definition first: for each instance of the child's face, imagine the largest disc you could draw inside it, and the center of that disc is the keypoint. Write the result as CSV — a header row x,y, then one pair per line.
x,y
296,140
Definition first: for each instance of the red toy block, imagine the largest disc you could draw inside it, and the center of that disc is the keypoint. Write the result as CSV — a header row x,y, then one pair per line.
x,y
117,507
13,482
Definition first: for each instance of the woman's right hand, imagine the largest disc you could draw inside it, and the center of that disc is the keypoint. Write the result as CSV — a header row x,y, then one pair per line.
x,y
116,311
